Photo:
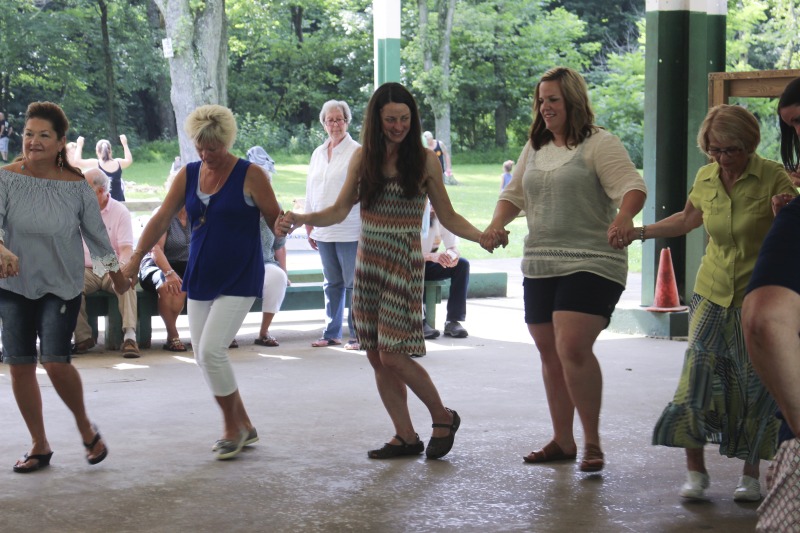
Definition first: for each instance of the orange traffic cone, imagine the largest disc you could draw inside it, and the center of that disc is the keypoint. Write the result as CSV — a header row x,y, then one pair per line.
x,y
666,298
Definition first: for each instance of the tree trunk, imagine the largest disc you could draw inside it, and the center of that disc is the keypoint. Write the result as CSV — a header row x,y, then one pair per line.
x,y
500,126
164,119
199,69
446,10
108,65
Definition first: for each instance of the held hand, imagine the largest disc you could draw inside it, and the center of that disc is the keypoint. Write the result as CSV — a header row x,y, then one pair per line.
x,y
779,201
9,263
285,224
620,233
129,270
121,282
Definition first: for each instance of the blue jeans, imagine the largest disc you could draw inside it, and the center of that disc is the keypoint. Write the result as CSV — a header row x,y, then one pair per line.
x,y
338,268
49,318
459,284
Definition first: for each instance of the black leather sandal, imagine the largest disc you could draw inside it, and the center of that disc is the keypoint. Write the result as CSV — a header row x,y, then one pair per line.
x,y
90,446
441,446
42,460
397,450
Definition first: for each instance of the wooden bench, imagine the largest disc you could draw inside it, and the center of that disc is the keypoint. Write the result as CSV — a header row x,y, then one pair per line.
x,y
303,294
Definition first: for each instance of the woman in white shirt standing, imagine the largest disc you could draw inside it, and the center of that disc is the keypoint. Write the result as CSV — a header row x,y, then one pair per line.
x,y
336,244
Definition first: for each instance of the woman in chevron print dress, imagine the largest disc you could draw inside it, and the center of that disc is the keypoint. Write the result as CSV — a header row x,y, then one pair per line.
x,y
390,175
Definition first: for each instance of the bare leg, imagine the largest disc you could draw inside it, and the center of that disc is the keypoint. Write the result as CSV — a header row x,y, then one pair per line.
x,y
29,400
771,322
170,307
409,372
695,460
575,336
394,395
266,320
234,415
562,410
67,382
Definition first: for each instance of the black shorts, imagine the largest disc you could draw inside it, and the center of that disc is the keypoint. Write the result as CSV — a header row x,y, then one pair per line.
x,y
778,260
582,292
150,276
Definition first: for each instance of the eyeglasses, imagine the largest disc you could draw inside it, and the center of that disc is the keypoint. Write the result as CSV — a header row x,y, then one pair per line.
x,y
731,151
336,121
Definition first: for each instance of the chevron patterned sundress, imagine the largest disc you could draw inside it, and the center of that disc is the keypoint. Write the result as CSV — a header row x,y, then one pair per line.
x,y
389,277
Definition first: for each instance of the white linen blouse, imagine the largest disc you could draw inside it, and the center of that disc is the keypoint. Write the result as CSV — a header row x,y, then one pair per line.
x,y
325,180
41,222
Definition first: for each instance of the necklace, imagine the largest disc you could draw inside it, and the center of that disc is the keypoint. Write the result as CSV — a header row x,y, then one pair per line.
x,y
202,219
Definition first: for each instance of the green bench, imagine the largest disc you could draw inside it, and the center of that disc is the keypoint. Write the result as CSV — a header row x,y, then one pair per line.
x,y
303,294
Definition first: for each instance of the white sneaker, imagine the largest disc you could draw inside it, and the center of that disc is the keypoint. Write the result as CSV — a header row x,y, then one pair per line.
x,y
748,490
695,486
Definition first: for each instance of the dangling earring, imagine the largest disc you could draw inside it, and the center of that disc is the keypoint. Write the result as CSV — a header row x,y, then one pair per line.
x,y
60,162
24,158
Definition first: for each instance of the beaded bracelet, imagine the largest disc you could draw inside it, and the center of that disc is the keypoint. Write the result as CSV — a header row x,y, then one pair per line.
x,y
641,232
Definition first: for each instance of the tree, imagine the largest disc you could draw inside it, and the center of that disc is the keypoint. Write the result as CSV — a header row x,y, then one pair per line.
x,y
199,68
435,81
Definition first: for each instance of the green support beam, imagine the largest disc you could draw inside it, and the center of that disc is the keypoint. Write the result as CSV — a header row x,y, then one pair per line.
x,y
386,21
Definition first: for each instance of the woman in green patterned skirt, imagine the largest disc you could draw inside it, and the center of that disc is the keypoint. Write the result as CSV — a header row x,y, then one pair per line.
x,y
720,399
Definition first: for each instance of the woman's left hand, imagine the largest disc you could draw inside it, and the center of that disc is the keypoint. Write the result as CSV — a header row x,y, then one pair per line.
x,y
9,263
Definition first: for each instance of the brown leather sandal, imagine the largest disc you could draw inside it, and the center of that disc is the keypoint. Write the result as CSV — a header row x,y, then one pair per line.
x,y
593,459
551,452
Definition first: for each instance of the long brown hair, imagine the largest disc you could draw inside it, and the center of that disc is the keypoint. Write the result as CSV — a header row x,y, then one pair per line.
x,y
790,143
411,153
580,116
53,114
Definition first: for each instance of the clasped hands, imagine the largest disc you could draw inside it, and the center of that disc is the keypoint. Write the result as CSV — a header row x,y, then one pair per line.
x,y
492,238
286,223
621,233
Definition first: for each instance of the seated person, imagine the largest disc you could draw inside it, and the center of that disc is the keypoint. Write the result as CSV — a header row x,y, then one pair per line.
x,y
275,281
161,272
446,265
117,219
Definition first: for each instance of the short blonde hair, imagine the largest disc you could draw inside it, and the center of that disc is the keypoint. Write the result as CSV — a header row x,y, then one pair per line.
x,y
211,124
731,125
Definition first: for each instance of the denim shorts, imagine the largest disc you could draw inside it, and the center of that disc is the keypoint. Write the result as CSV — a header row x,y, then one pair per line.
x,y
49,318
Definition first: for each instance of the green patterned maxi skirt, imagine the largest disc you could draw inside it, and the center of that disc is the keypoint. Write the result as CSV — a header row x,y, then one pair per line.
x,y
720,398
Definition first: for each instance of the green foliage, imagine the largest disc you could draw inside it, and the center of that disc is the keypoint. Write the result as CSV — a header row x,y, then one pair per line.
x,y
160,151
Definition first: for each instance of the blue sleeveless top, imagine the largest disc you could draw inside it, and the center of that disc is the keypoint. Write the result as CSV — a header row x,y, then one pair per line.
x,y
225,250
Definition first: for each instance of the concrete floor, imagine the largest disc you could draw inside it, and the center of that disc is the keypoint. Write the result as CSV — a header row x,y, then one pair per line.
x,y
317,412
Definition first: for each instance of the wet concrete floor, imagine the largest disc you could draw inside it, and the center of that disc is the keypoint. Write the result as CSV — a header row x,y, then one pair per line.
x,y
317,412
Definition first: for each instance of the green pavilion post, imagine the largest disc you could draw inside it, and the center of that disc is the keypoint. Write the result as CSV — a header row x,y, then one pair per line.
x,y
386,21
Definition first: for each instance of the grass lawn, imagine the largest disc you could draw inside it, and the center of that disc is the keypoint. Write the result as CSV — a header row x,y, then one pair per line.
x,y
474,197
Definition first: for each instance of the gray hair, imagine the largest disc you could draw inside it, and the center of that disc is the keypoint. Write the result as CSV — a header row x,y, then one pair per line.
x,y
330,105
427,135
211,124
97,178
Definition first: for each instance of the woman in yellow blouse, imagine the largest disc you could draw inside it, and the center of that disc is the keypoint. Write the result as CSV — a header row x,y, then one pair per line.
x,y
719,398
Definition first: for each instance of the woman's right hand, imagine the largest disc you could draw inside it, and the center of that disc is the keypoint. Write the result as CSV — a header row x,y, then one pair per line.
x,y
286,223
172,285
9,263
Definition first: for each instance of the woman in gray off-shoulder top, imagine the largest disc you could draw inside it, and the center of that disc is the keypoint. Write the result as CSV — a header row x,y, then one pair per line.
x,y
45,208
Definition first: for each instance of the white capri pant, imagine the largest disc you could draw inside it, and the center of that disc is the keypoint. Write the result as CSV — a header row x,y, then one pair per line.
x,y
213,325
274,288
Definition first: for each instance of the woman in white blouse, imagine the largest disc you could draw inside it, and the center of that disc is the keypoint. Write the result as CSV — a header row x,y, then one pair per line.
x,y
580,192
45,207
337,244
